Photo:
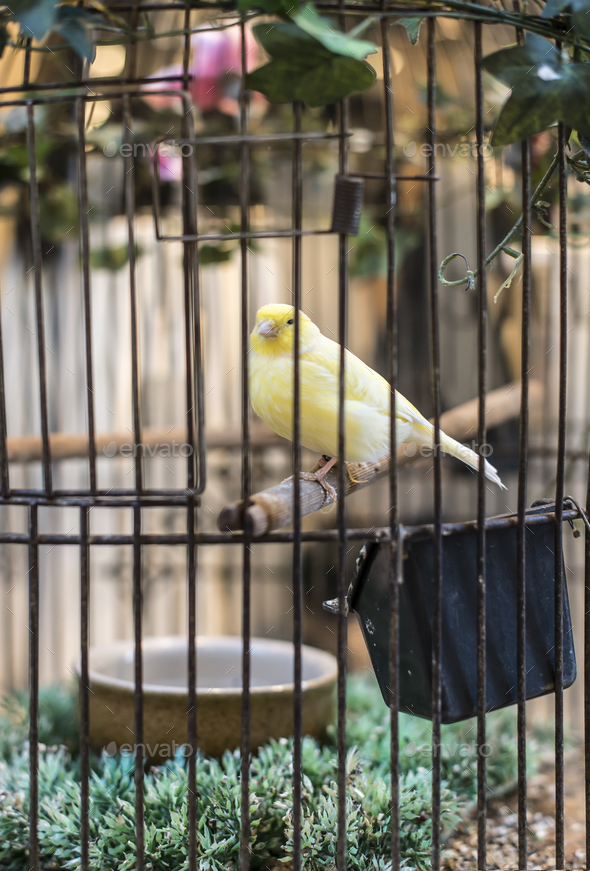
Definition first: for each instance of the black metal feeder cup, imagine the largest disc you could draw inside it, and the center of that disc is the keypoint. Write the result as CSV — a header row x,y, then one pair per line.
x,y
369,597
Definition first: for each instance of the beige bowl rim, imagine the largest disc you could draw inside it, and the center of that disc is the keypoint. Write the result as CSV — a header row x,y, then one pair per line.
x,y
326,661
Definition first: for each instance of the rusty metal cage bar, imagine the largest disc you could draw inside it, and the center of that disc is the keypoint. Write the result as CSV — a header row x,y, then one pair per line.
x,y
394,527
378,533
437,591
587,666
246,465
4,470
84,701
85,250
297,210
559,492
481,287
33,686
522,498
341,505
196,476
129,189
37,279
138,690
141,497
192,685
202,538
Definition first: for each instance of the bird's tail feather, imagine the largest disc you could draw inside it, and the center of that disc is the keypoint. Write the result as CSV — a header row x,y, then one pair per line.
x,y
465,454
469,457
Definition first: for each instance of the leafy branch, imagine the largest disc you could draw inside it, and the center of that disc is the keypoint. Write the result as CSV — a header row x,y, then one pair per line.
x,y
469,280
311,59
558,27
547,84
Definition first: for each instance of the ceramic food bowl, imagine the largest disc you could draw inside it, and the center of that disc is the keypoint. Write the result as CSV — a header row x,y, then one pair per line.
x,y
219,694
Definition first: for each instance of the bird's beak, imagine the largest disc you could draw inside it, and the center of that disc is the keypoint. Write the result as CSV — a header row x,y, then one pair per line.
x,y
267,329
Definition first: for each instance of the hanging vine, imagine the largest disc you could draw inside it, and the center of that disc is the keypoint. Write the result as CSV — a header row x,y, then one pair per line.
x,y
312,60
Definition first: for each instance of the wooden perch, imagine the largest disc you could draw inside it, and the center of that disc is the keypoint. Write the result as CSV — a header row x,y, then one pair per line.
x,y
273,508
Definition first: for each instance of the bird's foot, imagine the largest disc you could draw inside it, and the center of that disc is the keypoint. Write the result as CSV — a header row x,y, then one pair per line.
x,y
325,464
359,473
319,477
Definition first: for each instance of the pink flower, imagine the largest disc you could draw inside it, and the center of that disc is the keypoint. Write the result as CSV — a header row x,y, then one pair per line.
x,y
215,69
216,66
159,102
216,63
170,165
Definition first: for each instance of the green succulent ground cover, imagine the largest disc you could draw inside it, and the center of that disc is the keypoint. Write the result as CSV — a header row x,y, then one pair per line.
x,y
368,800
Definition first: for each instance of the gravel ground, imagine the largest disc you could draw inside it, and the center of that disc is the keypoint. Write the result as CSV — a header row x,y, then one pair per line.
x,y
460,851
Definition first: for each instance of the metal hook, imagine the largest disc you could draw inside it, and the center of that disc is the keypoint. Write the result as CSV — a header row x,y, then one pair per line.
x,y
582,514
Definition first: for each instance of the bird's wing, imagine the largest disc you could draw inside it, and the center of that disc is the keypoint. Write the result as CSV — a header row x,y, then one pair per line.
x,y
366,427
362,383
407,411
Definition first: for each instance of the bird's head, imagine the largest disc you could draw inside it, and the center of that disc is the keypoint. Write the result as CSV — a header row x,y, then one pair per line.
x,y
274,331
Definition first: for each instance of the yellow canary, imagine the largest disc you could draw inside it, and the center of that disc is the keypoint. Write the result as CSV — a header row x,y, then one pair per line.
x,y
366,395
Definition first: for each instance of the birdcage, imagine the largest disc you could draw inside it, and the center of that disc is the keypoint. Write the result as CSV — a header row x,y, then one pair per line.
x,y
177,236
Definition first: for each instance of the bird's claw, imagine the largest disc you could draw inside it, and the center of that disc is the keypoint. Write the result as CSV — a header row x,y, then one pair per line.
x,y
318,479
313,476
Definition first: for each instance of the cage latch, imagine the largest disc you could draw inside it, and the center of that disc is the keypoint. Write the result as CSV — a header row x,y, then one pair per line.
x,y
347,205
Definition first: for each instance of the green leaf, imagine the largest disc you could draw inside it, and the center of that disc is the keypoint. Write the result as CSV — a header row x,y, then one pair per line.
x,y
579,10
36,17
75,25
288,42
369,255
412,26
330,37
515,64
111,258
545,88
214,254
327,81
506,284
302,68
522,117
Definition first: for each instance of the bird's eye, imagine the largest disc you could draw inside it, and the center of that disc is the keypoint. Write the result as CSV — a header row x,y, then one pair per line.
x,y
290,321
